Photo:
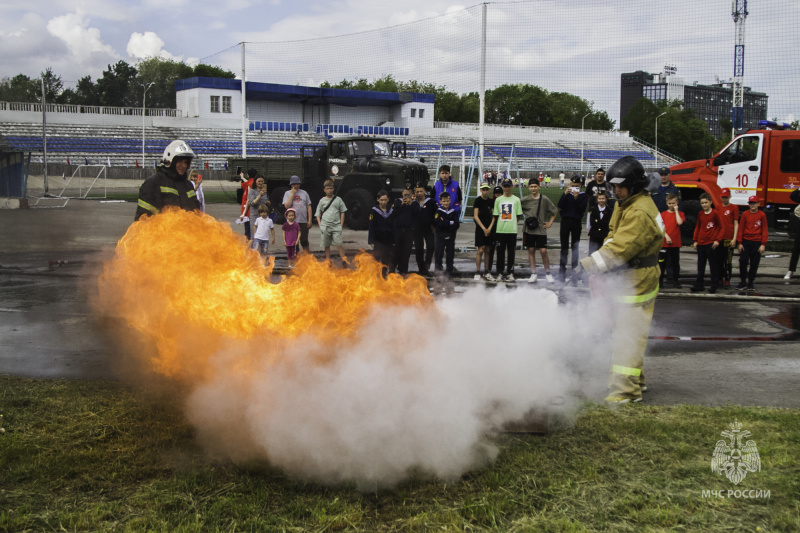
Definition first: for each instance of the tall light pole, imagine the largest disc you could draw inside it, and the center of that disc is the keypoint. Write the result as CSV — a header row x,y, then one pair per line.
x,y
584,116
144,95
659,116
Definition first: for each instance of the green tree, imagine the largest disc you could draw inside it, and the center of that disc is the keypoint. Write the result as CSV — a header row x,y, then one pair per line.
x,y
85,92
163,73
210,71
519,104
567,110
53,86
117,86
679,131
20,88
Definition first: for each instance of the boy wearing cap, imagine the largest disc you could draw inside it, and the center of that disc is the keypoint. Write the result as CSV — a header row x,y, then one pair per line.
x,y
507,210
299,200
497,192
482,209
572,205
752,237
729,214
535,205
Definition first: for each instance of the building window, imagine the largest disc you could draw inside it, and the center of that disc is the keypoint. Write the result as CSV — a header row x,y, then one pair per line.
x,y
226,104
421,113
215,104
413,112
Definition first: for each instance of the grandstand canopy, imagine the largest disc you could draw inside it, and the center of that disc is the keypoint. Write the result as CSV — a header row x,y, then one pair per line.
x,y
301,94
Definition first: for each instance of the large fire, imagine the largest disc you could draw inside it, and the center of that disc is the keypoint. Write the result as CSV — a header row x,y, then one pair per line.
x,y
335,374
186,281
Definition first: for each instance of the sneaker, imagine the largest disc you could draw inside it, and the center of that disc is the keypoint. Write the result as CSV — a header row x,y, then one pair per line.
x,y
488,277
695,288
533,278
750,288
741,286
509,278
788,275
712,290
477,277
677,285
549,278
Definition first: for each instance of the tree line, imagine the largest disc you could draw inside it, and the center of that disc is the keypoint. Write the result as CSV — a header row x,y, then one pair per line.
x,y
680,132
120,85
515,104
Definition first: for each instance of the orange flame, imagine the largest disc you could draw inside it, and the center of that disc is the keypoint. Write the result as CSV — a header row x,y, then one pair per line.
x,y
186,281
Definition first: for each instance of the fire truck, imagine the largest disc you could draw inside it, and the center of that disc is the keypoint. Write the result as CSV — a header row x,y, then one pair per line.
x,y
762,162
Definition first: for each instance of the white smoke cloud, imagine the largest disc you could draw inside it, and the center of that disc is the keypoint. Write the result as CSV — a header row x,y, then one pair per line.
x,y
420,390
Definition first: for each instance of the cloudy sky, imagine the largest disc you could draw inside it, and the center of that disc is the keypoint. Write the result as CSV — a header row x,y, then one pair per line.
x,y
561,45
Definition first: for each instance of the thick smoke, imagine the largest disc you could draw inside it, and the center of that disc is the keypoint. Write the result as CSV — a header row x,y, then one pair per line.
x,y
420,389
339,375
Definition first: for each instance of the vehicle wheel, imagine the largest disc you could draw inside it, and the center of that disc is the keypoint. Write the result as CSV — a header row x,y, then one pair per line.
x,y
276,201
358,203
690,208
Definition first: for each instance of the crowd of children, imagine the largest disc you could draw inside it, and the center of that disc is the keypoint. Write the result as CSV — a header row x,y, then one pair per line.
x,y
429,226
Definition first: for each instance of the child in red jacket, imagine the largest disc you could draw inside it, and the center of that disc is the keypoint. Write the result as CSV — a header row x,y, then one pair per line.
x,y
752,238
707,237
729,215
671,249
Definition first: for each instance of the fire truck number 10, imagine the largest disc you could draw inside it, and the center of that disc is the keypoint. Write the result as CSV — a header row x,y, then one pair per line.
x,y
742,180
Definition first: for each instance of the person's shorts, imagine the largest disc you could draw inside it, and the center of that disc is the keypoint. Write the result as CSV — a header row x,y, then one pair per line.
x,y
481,239
530,240
331,236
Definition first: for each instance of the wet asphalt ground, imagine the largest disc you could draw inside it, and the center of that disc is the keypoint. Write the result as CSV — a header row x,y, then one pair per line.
x,y
731,347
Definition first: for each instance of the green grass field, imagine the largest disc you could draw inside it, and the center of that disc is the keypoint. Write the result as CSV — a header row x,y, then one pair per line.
x,y
100,456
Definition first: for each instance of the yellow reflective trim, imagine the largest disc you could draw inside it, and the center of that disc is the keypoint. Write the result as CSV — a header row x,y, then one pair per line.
x,y
686,185
626,370
638,299
191,194
145,205
169,190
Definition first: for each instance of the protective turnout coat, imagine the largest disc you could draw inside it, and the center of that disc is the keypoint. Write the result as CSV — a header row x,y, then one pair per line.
x,y
165,188
635,235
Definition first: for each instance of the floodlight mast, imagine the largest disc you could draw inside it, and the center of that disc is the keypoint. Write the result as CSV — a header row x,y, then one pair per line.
x,y
737,113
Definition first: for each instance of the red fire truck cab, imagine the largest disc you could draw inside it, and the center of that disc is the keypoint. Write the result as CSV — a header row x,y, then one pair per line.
x,y
762,162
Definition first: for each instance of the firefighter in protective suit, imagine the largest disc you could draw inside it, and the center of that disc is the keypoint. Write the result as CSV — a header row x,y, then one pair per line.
x,y
170,184
630,252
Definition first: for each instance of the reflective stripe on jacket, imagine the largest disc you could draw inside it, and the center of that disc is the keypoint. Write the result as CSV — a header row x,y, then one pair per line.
x,y
165,188
635,232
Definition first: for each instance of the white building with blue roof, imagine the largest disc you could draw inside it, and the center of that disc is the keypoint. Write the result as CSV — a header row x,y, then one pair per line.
x,y
277,107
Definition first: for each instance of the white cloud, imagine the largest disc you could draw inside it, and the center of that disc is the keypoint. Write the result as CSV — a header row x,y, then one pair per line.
x,y
82,42
147,44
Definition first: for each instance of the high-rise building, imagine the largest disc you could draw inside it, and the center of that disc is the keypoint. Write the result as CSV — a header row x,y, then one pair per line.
x,y
711,103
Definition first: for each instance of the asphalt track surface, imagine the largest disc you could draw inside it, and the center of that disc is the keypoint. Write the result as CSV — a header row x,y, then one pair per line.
x,y
728,348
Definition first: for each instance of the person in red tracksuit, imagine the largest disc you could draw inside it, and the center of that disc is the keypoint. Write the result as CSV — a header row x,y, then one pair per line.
x,y
752,238
707,237
729,214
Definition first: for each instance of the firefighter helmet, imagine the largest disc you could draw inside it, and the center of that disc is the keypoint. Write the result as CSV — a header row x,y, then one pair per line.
x,y
628,172
176,149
